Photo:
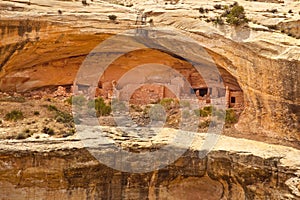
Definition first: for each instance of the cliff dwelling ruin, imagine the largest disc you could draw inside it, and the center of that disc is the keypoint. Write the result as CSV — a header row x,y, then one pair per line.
x,y
152,91
49,149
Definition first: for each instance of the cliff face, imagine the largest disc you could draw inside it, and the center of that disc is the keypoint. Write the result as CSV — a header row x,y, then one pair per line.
x,y
48,51
64,170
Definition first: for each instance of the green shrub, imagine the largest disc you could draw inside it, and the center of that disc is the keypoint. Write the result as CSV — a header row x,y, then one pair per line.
x,y
22,136
204,124
48,131
186,114
68,133
156,113
118,105
218,20
237,15
197,112
208,109
204,112
76,100
207,123
185,104
102,109
220,114
167,103
14,115
77,119
63,117
60,116
230,117
52,108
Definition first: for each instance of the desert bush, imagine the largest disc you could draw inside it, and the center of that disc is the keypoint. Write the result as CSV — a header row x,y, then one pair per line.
x,y
197,112
61,116
68,133
64,117
112,17
290,11
52,108
220,114
230,117
204,124
236,15
218,6
185,114
14,115
204,112
208,109
272,11
201,10
77,119
36,113
185,104
22,136
167,103
274,27
48,131
156,113
26,133
218,20
76,100
102,109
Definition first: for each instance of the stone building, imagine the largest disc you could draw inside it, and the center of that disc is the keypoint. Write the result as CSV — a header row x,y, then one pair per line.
x,y
218,87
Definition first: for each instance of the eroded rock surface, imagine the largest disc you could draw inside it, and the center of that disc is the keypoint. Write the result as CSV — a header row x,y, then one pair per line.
x,y
63,169
43,43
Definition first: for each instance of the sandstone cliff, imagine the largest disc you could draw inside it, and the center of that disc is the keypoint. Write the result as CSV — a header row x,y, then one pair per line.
x,y
63,169
43,43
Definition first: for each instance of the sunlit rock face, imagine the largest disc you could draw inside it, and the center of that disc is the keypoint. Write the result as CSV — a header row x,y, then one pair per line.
x,y
41,48
40,54
234,169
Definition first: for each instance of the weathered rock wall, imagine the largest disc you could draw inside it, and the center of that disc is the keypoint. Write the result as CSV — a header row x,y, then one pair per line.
x,y
49,51
72,173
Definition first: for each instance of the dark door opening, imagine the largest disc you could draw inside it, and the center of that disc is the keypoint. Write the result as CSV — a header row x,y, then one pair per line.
x,y
232,100
203,92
